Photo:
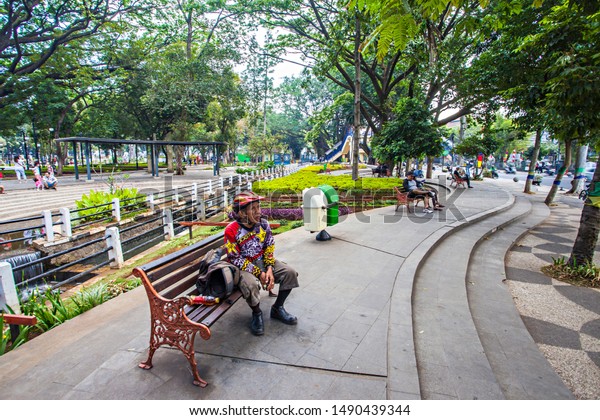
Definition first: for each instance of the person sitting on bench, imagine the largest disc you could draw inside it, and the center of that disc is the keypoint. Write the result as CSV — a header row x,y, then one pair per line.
x,y
459,173
415,188
250,246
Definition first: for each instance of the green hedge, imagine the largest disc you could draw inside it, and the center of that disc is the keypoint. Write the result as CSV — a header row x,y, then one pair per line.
x,y
307,178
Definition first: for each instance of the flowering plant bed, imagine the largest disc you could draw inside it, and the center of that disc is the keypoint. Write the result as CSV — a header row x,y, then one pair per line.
x,y
307,178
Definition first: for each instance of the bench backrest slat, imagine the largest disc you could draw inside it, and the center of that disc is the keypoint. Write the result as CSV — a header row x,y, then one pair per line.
x,y
182,288
155,269
192,258
175,277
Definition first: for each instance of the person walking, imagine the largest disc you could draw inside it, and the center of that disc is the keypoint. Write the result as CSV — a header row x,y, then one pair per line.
x,y
37,172
19,169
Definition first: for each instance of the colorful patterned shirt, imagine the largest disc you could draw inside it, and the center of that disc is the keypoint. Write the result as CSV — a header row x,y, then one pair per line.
x,y
245,247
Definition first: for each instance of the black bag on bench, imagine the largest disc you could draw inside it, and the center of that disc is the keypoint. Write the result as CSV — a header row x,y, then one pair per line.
x,y
216,277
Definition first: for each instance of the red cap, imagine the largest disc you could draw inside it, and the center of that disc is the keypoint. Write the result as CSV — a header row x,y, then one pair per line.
x,y
247,197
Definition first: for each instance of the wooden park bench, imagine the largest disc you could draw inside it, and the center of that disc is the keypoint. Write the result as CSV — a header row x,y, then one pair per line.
x,y
174,322
402,199
190,225
14,320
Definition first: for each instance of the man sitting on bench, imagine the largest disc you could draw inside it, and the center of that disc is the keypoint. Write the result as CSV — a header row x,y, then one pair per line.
x,y
250,246
415,188
459,173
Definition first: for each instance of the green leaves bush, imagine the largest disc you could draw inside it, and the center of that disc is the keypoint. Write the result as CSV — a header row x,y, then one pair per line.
x,y
51,309
307,178
98,198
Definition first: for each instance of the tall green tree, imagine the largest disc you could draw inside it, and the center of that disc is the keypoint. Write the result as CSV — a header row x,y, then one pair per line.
x,y
32,31
410,134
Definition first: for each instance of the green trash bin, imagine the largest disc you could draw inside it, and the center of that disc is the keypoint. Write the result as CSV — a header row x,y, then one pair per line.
x,y
332,204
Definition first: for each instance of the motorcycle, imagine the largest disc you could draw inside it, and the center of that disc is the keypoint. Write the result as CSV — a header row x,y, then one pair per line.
x,y
494,172
583,195
510,170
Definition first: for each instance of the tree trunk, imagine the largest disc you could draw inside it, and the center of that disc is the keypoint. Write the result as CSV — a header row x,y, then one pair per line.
x,y
578,181
589,226
357,93
169,153
534,158
429,173
179,151
559,176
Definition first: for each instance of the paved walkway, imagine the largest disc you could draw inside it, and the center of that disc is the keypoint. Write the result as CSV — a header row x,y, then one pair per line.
x,y
395,306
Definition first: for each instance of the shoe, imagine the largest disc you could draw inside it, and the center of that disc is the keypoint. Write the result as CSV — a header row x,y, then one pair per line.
x,y
440,205
470,187
257,326
437,208
427,210
281,314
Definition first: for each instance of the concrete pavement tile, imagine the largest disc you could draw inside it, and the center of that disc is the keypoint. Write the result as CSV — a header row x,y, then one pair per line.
x,y
54,392
373,297
365,366
348,291
334,350
312,361
474,389
364,315
430,348
356,387
436,379
371,346
370,356
289,348
101,384
348,330
439,397
327,313
243,379
510,385
405,381
121,360
402,396
305,384
77,395
139,343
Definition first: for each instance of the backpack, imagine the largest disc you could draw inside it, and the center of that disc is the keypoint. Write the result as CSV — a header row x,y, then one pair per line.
x,y
216,277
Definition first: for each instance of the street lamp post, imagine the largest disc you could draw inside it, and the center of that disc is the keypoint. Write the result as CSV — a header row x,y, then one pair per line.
x,y
25,150
35,139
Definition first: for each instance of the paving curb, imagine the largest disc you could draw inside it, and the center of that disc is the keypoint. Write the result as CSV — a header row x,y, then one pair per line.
x,y
403,377
500,327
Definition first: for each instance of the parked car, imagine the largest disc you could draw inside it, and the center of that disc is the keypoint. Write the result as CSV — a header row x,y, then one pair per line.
x,y
588,172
